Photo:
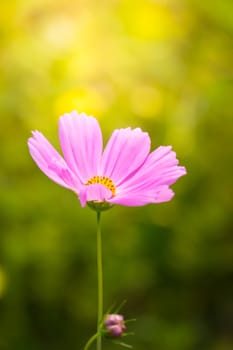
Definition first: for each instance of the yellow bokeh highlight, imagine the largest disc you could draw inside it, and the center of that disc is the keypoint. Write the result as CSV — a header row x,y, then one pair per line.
x,y
150,20
86,100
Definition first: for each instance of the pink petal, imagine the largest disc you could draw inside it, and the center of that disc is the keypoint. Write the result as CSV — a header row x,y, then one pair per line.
x,y
50,161
131,200
125,152
140,198
160,168
94,192
81,143
164,195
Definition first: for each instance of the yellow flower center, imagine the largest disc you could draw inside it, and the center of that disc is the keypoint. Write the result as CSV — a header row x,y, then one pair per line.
x,y
103,180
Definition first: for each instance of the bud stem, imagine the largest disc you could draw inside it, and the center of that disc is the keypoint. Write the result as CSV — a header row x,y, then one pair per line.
x,y
90,341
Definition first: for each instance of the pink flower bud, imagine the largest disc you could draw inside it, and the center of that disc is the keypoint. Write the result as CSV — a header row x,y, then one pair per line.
x,y
114,325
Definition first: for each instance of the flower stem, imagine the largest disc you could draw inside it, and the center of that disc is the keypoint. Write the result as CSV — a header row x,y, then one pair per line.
x,y
100,281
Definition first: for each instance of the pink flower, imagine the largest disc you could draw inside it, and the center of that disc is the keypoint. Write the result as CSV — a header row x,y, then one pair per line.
x,y
124,173
115,325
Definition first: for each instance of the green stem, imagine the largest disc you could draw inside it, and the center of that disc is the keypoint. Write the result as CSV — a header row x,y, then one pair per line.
x,y
100,282
90,341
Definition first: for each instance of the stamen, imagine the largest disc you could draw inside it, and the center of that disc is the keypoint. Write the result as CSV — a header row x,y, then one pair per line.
x,y
103,180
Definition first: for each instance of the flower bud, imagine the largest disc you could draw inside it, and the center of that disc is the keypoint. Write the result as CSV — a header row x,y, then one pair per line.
x,y
114,325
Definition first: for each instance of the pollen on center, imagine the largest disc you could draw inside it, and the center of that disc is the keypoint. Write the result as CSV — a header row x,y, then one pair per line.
x,y
103,180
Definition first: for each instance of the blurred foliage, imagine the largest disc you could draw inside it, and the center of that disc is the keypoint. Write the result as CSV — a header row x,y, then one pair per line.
x,y
162,65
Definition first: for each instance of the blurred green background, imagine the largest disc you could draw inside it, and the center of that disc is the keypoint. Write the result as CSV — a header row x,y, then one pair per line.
x,y
164,66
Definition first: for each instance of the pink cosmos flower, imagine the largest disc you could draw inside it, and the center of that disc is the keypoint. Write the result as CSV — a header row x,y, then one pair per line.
x,y
125,172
